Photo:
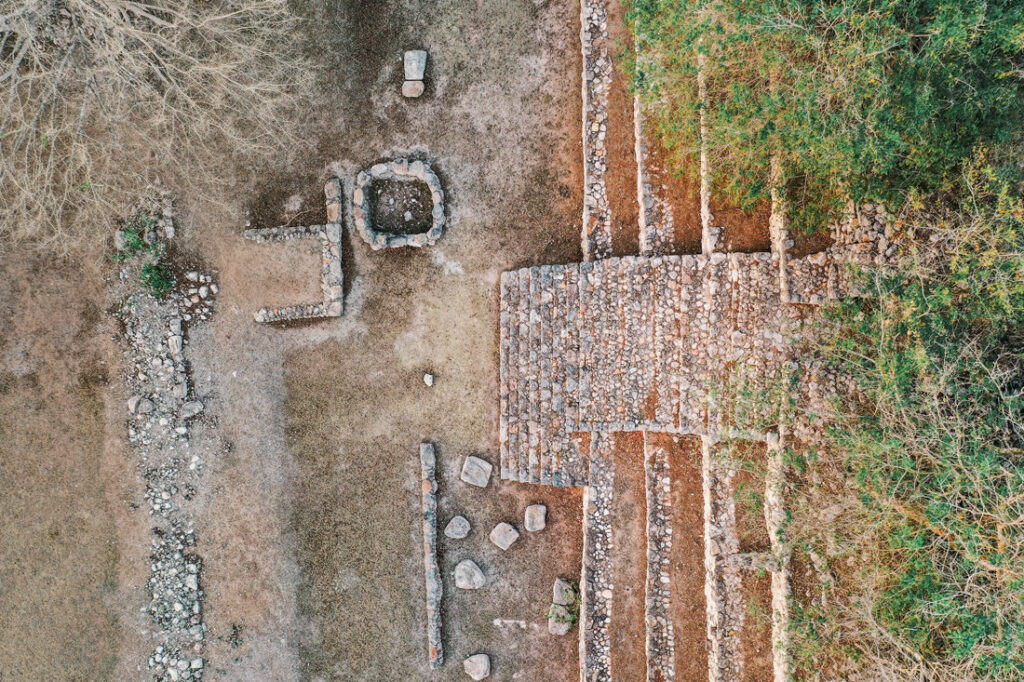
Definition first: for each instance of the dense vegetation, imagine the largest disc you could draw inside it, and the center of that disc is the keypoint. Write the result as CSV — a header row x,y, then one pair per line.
x,y
911,511
926,458
873,99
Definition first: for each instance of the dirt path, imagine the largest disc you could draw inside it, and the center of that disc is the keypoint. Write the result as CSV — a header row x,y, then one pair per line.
x,y
629,560
687,575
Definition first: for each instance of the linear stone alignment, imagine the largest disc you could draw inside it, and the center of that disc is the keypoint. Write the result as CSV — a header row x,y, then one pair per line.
x,y
331,282
657,225
598,582
172,444
432,571
658,595
775,520
629,344
722,577
597,78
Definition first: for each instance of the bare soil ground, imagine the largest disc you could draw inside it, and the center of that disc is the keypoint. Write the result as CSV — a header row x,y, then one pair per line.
x,y
629,559
756,638
682,191
312,543
688,603
71,550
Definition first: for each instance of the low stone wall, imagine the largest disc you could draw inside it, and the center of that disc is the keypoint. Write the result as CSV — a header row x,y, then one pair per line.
x,y
402,170
597,78
658,595
775,520
597,580
331,277
722,576
432,571
657,225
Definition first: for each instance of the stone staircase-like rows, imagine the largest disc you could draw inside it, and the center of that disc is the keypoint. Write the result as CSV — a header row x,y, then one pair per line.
x,y
627,344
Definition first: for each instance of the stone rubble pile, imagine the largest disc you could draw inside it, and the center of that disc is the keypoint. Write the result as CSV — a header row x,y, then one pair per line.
x,y
164,420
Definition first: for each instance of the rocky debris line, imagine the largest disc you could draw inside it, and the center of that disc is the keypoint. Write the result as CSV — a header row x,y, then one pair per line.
x,y
775,519
170,441
414,64
722,576
595,645
658,596
331,281
477,666
468,575
503,536
458,528
536,518
865,239
657,225
568,361
432,571
476,471
400,170
597,78
564,610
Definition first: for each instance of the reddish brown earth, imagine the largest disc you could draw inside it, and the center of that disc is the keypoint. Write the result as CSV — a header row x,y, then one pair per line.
x,y
756,637
687,573
622,169
629,559
680,187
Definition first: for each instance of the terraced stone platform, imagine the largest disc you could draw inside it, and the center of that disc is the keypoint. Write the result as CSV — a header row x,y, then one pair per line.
x,y
631,344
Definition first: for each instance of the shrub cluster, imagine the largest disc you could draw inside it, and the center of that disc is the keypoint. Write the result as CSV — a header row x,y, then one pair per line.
x,y
862,99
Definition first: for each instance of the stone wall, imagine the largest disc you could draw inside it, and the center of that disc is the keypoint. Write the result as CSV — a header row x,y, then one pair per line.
x,y
597,580
597,78
658,594
432,571
331,278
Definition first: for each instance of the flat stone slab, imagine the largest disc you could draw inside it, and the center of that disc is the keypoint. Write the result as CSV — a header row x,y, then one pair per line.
x,y
478,666
504,535
457,528
536,517
468,575
415,64
476,471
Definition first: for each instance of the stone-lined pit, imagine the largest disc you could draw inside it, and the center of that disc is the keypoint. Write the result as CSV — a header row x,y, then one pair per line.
x,y
398,203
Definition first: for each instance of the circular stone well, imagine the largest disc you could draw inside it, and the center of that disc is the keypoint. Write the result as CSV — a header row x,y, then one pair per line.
x,y
398,203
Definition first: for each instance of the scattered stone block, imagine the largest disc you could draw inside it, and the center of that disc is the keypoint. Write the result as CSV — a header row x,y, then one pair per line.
x,y
191,409
478,666
559,620
412,89
536,517
563,593
457,528
468,575
504,535
476,471
428,379
415,63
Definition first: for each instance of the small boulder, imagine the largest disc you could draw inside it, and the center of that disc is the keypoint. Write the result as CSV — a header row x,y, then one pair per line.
x,y
412,89
563,593
559,620
478,666
191,409
536,517
468,575
457,528
504,535
428,379
415,64
476,471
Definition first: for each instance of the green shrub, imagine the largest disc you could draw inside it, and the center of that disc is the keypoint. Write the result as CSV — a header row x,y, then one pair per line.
x,y
156,277
931,447
861,99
